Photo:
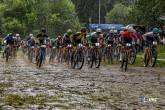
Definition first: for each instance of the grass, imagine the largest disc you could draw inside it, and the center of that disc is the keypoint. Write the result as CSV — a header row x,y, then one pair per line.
x,y
18,101
5,85
61,106
139,60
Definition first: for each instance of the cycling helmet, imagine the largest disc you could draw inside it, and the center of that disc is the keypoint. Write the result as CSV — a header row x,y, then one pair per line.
x,y
121,32
10,34
30,35
59,36
130,30
83,29
155,30
69,31
98,30
43,30
17,35
111,31
115,31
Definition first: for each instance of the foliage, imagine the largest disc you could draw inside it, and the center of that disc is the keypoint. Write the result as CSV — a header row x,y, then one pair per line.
x,y
118,14
26,16
147,12
18,16
90,9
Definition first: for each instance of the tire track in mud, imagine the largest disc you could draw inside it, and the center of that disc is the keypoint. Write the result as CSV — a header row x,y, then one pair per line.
x,y
67,88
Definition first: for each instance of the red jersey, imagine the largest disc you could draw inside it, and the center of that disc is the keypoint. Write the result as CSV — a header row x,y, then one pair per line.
x,y
127,35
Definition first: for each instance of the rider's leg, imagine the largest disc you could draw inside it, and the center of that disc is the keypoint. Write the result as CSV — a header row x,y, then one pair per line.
x,y
121,53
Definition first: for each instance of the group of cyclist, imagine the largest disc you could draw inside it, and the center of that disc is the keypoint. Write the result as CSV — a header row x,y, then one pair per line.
x,y
113,37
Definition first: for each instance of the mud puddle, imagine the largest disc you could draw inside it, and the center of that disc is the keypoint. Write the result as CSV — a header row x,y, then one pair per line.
x,y
57,86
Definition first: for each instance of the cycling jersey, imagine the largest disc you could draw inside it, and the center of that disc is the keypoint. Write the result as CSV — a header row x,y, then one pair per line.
x,y
110,38
95,37
31,42
53,42
127,37
150,37
42,38
77,38
67,38
9,40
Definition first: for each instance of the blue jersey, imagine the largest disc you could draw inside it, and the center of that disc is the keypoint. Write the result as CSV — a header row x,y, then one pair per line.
x,y
9,40
31,42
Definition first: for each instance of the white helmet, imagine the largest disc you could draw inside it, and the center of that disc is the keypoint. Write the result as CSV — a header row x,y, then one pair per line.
x,y
130,29
111,31
98,30
121,32
115,31
17,35
30,35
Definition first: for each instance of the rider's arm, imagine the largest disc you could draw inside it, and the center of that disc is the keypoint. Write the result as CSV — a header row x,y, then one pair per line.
x,y
144,37
160,38
136,37
70,37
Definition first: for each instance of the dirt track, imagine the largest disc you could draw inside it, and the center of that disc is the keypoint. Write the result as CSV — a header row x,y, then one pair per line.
x,y
57,86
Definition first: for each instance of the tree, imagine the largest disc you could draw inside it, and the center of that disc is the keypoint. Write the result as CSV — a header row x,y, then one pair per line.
x,y
28,16
18,16
118,14
90,9
147,12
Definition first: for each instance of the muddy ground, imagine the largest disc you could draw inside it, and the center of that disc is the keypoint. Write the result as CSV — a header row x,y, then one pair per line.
x,y
57,86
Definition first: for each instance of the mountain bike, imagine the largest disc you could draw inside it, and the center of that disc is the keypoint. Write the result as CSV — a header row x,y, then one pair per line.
x,y
68,53
52,54
41,55
151,55
77,58
129,56
95,56
110,53
31,53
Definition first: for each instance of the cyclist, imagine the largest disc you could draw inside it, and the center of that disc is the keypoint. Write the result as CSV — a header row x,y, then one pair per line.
x,y
111,38
59,41
9,41
78,37
127,37
53,42
17,41
41,39
67,39
150,37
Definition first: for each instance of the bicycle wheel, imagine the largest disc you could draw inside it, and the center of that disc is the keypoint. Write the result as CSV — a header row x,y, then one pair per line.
x,y
68,55
32,54
108,55
118,48
7,54
111,55
146,60
132,56
59,56
104,53
97,58
153,58
80,59
73,60
126,60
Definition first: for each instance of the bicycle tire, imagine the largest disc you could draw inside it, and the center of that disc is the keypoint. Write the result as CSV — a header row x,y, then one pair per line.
x,y
80,57
153,57
97,56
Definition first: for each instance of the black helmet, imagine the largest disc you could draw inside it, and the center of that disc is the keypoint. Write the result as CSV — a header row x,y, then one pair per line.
x,y
10,34
83,29
43,30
